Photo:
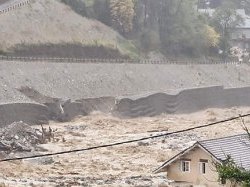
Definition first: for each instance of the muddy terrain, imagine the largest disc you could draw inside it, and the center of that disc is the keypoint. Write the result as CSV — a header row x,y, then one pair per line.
x,y
123,165
133,101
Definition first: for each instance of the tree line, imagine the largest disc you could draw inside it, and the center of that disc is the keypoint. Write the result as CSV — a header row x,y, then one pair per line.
x,y
169,26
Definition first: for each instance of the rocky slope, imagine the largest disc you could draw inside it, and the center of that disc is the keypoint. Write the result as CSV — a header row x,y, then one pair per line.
x,y
60,88
77,81
52,22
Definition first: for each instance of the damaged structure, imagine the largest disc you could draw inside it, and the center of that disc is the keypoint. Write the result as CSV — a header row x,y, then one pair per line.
x,y
20,137
41,108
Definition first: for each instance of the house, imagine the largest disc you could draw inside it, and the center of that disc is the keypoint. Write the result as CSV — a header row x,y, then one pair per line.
x,y
195,166
241,34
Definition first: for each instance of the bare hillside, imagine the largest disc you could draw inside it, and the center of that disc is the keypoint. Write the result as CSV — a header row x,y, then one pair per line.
x,y
78,82
52,22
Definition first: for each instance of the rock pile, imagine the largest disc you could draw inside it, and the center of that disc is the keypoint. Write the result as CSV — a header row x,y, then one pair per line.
x,y
19,137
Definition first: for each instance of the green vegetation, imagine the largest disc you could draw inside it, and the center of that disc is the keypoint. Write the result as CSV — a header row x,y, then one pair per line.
x,y
122,13
225,20
127,47
168,26
72,50
229,171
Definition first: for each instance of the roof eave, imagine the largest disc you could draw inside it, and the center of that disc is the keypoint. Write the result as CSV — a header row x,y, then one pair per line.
x,y
168,162
176,157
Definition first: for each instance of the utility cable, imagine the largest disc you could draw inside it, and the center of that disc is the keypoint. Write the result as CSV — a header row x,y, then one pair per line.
x,y
126,142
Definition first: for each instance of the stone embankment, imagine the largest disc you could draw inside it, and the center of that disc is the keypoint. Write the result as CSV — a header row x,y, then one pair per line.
x,y
38,92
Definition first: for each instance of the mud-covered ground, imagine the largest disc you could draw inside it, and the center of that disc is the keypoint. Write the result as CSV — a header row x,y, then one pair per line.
x,y
123,165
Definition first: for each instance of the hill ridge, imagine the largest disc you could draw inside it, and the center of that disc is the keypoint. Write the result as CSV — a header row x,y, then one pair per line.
x,y
44,22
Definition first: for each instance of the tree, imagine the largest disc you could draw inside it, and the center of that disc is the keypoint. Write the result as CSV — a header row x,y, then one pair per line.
x,y
77,5
122,12
102,11
175,26
180,28
246,5
225,20
229,171
212,37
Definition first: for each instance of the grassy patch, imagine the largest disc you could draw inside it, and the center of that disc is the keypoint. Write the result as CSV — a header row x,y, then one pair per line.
x,y
68,50
128,48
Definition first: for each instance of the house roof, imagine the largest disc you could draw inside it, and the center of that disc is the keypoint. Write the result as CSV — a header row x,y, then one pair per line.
x,y
238,147
246,24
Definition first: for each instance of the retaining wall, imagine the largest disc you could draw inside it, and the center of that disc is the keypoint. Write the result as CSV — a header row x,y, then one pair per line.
x,y
187,101
27,112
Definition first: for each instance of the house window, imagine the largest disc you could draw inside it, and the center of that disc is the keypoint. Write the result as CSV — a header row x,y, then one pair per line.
x,y
185,166
203,166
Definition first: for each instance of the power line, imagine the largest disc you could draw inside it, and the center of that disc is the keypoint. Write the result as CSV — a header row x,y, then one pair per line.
x,y
125,142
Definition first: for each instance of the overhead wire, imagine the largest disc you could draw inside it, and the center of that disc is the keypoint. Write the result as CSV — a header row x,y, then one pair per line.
x,y
127,141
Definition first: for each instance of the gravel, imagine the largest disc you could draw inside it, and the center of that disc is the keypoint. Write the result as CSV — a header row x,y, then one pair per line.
x,y
77,81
